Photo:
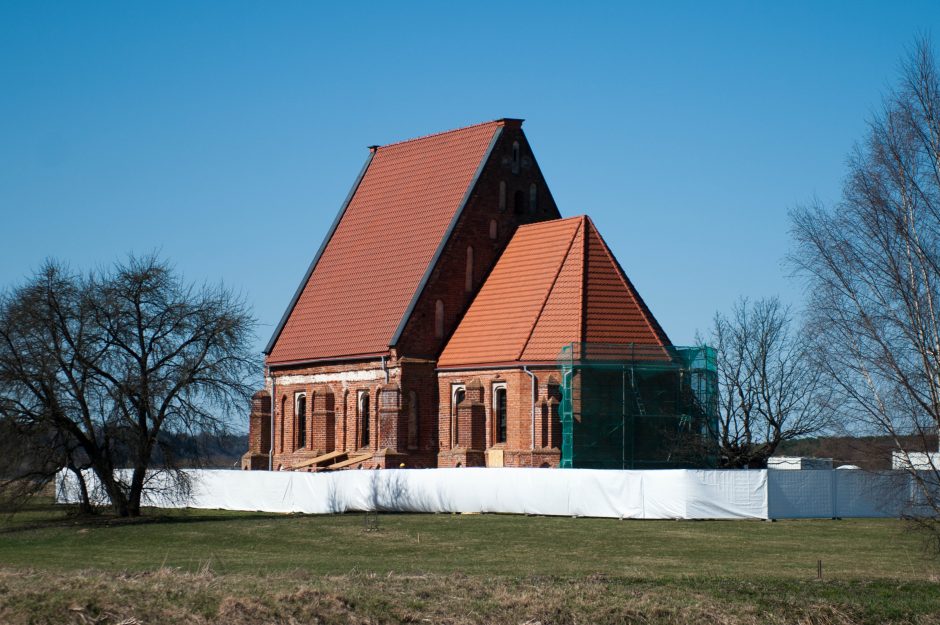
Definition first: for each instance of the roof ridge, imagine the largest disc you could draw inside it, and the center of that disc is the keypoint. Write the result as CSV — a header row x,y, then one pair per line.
x,y
437,134
582,284
647,314
548,294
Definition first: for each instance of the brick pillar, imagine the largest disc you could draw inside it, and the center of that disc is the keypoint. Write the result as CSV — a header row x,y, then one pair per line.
x,y
471,425
259,432
323,420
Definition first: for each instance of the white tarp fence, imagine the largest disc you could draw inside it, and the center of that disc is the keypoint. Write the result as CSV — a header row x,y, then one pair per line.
x,y
661,494
677,494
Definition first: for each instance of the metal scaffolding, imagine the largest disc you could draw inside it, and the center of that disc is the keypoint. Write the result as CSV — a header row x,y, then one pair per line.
x,y
638,406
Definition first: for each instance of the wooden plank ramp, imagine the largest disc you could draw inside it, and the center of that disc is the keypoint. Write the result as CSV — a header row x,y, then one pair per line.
x,y
352,460
320,460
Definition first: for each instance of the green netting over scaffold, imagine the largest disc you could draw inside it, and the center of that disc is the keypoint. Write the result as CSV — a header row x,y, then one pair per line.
x,y
638,406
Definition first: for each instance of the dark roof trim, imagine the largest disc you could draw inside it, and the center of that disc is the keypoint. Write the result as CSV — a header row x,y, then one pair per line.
x,y
515,364
445,239
316,259
332,359
542,176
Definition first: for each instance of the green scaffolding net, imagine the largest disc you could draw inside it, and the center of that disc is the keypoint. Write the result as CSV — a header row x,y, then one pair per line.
x,y
638,406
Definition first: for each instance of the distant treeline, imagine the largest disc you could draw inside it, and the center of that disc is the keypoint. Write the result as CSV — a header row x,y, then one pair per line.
x,y
222,452
867,452
182,450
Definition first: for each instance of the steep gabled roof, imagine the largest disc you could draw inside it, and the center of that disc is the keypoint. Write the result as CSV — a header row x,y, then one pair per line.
x,y
556,283
373,261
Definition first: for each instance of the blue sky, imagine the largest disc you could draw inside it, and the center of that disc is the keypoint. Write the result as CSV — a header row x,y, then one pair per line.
x,y
226,135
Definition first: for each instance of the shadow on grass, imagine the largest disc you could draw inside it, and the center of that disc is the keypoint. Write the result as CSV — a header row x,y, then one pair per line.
x,y
41,516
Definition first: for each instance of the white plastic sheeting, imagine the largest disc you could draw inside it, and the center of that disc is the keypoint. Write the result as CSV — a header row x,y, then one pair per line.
x,y
671,494
667,494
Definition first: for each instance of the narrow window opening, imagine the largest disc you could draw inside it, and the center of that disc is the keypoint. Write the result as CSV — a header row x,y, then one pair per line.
x,y
300,404
439,319
499,412
457,394
502,195
494,229
468,286
364,427
533,198
280,423
515,157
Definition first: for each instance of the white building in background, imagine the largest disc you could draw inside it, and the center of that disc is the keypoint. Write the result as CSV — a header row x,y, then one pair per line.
x,y
797,463
915,460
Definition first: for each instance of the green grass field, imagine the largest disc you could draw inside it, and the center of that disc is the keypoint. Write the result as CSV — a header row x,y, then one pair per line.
x,y
219,567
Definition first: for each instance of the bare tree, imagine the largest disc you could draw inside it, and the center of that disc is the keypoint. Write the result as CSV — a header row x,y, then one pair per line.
x,y
872,263
115,361
767,391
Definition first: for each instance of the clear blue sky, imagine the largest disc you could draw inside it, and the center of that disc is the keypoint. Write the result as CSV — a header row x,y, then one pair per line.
x,y
226,135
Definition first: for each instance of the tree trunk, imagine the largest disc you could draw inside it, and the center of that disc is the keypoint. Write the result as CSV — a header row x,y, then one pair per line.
x,y
137,489
84,506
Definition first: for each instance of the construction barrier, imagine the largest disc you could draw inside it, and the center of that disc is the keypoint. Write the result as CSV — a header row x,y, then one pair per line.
x,y
659,494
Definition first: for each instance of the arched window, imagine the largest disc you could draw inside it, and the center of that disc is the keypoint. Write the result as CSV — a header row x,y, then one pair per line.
x,y
300,419
515,157
518,201
494,229
468,283
458,393
412,420
499,413
439,319
502,195
533,198
364,424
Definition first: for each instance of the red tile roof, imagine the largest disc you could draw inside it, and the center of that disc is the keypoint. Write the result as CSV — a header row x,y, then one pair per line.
x,y
373,261
555,284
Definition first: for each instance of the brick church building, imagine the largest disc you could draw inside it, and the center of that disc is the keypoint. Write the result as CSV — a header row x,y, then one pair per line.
x,y
427,330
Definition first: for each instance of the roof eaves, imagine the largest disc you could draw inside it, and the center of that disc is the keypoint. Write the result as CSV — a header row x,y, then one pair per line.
x,y
445,239
508,364
329,235
330,359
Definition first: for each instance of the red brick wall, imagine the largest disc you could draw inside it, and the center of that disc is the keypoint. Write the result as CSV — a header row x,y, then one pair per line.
x,y
333,419
517,449
420,378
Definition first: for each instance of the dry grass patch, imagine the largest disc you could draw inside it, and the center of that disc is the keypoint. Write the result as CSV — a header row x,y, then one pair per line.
x,y
174,597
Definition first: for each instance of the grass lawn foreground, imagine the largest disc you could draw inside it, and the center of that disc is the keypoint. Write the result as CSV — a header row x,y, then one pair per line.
x,y
236,567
